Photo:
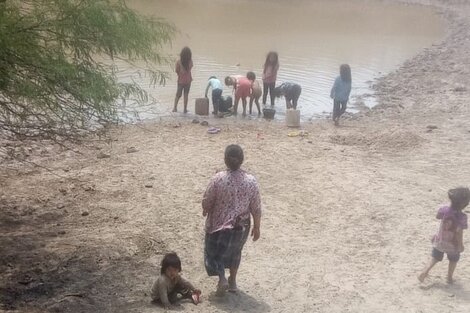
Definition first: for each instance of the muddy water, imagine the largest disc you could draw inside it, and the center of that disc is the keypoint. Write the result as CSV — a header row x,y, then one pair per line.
x,y
312,38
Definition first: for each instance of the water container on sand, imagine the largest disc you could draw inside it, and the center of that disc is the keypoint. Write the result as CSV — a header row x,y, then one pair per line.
x,y
293,118
202,106
269,113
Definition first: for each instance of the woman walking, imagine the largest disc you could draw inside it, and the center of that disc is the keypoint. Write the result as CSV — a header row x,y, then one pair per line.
x,y
231,197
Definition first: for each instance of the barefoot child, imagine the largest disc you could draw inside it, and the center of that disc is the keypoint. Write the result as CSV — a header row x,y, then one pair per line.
x,y
271,66
217,89
340,92
449,238
291,92
170,284
242,87
255,92
183,70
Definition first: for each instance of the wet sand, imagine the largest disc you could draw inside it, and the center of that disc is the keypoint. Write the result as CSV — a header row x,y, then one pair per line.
x,y
348,211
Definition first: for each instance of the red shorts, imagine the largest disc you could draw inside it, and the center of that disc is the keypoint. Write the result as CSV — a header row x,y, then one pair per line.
x,y
243,88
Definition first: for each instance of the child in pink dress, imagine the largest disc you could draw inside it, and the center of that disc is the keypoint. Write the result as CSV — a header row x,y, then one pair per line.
x,y
242,87
271,66
183,70
449,238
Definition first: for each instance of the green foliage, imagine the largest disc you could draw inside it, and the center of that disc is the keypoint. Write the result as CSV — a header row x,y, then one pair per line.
x,y
56,74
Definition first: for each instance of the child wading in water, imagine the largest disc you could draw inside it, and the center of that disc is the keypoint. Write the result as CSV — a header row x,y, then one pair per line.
x,y
340,92
242,87
170,284
271,66
183,70
449,238
255,91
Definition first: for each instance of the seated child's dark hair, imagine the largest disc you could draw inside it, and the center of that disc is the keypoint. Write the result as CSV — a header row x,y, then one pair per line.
x,y
212,77
459,197
170,260
251,76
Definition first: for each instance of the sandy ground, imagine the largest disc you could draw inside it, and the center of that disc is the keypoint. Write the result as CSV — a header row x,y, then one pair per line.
x,y
348,211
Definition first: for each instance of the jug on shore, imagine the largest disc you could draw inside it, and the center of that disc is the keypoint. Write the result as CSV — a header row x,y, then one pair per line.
x,y
268,113
293,118
202,106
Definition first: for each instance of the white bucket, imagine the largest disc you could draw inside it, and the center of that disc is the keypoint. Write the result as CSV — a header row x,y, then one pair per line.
x,y
293,118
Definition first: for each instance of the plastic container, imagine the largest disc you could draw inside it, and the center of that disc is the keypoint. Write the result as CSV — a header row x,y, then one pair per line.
x,y
293,118
269,113
202,106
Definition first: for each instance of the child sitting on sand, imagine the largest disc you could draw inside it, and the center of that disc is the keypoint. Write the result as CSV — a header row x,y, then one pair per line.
x,y
449,238
256,91
170,284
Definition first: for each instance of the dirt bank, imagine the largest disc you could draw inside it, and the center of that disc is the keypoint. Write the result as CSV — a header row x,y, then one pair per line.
x,y
347,211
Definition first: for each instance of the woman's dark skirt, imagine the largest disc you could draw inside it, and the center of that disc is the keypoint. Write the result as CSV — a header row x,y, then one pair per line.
x,y
223,249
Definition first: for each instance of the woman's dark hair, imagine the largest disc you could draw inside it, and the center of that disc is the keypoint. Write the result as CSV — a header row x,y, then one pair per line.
x,y
268,60
212,77
345,72
459,197
170,260
228,80
233,157
251,76
185,57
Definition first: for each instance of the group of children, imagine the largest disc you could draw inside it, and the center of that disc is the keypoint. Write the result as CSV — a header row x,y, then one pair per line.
x,y
170,287
245,87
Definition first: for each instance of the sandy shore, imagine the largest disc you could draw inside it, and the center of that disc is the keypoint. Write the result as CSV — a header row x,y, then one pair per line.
x,y
348,211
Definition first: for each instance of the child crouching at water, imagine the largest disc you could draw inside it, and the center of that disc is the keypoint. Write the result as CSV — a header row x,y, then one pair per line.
x,y
242,87
291,92
170,284
449,238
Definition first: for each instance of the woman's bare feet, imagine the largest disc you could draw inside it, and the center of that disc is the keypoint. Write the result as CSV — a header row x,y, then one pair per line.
x,y
232,285
450,280
222,287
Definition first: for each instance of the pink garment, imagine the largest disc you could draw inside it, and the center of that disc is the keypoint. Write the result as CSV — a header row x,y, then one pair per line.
x,y
230,197
270,74
184,76
445,238
243,89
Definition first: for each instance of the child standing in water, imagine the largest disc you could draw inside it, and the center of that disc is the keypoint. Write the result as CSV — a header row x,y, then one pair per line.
x,y
242,87
340,92
170,284
217,89
255,91
449,238
271,66
183,70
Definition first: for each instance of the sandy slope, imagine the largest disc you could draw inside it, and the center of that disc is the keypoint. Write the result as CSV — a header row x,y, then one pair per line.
x,y
347,211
